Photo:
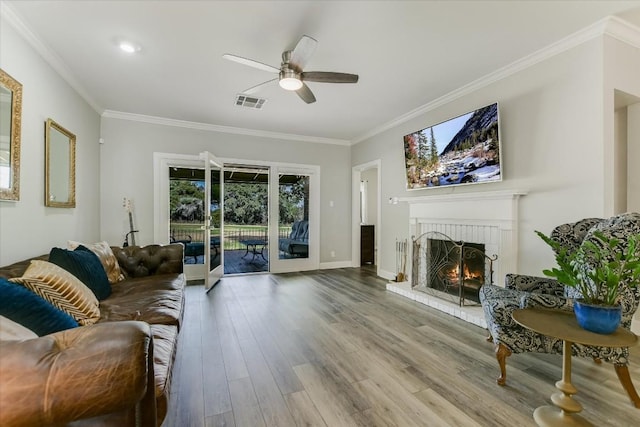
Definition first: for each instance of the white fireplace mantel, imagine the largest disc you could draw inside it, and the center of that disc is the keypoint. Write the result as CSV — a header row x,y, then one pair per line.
x,y
478,195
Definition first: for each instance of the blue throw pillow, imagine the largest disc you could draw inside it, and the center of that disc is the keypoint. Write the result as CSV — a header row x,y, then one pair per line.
x,y
86,266
31,311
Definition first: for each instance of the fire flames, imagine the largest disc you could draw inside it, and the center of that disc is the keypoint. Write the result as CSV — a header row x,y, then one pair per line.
x,y
453,275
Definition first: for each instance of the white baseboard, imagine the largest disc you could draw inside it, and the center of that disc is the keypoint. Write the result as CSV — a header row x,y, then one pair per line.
x,y
335,264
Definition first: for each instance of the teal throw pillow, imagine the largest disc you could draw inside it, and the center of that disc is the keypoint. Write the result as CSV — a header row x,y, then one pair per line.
x,y
86,266
31,311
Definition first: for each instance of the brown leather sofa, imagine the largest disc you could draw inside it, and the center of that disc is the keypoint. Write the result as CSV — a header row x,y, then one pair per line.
x,y
116,372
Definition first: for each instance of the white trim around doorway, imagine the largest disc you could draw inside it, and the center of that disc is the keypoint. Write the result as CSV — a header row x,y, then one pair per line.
x,y
356,173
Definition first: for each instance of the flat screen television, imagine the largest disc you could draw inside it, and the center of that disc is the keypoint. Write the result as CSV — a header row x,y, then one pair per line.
x,y
462,150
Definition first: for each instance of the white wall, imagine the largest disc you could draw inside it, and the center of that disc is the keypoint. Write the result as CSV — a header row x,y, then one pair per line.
x,y
620,186
551,131
127,171
27,227
621,71
633,149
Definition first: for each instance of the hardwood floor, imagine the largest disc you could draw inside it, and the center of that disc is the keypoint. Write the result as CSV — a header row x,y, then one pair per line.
x,y
333,348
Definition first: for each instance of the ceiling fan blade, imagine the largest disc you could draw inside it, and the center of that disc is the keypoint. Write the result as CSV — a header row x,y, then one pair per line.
x,y
302,53
329,77
257,87
305,93
251,63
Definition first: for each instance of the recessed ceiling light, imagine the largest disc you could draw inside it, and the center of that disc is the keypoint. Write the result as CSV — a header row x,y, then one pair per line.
x,y
128,47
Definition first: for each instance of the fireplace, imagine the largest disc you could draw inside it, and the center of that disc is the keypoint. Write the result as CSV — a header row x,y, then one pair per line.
x,y
487,217
453,270
456,268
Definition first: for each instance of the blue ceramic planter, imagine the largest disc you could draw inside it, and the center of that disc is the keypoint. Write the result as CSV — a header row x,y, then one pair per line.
x,y
601,319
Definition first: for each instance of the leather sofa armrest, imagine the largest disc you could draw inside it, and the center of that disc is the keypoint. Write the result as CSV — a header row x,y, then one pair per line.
x,y
140,261
77,374
541,285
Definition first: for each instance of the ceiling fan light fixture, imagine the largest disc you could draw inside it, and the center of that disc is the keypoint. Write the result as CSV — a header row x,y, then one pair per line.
x,y
289,80
129,47
290,83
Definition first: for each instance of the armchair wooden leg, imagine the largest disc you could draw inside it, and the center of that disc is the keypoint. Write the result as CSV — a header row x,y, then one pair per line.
x,y
502,352
625,380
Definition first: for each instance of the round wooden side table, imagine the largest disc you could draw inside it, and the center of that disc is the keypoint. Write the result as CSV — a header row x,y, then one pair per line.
x,y
563,325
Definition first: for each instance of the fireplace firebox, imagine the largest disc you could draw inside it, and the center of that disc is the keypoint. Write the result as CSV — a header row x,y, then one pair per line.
x,y
449,269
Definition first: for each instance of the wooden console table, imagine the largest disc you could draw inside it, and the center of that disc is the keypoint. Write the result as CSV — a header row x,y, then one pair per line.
x,y
563,325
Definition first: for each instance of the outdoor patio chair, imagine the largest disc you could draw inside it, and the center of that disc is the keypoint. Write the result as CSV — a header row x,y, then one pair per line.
x,y
297,244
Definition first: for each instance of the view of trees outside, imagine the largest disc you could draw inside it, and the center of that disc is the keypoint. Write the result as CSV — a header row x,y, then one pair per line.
x,y
245,208
246,203
293,201
186,200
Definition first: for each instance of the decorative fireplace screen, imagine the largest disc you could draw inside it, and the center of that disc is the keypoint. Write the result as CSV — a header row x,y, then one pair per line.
x,y
449,269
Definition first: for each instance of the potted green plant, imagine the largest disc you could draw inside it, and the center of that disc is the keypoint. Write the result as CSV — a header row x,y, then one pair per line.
x,y
597,272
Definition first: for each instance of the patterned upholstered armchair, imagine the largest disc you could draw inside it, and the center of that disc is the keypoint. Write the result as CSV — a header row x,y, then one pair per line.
x,y
527,291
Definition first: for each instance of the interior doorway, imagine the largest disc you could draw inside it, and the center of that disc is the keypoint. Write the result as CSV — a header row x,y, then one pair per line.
x,y
366,216
626,151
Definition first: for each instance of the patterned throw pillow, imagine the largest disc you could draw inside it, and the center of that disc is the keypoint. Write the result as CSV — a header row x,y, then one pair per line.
x,y
86,266
31,311
62,289
106,256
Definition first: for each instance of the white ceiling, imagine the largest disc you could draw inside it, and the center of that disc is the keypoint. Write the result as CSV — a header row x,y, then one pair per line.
x,y
407,53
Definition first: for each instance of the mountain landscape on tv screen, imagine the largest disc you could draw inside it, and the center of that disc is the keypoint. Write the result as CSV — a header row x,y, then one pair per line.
x,y
470,152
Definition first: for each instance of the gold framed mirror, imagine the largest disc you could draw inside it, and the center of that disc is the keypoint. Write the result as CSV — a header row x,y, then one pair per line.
x,y
60,166
10,129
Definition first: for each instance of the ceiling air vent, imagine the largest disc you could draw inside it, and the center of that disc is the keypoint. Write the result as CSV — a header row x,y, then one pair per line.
x,y
250,101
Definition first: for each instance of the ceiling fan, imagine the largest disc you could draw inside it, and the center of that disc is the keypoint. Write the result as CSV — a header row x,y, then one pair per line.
x,y
291,74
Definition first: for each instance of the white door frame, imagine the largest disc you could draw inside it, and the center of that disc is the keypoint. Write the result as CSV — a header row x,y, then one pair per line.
x,y
312,262
161,164
356,176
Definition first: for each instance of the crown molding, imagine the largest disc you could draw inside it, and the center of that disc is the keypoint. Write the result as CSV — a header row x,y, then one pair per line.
x,y
218,128
11,16
610,25
622,30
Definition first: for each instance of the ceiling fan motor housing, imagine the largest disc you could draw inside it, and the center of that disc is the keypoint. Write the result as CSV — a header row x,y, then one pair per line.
x,y
289,77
